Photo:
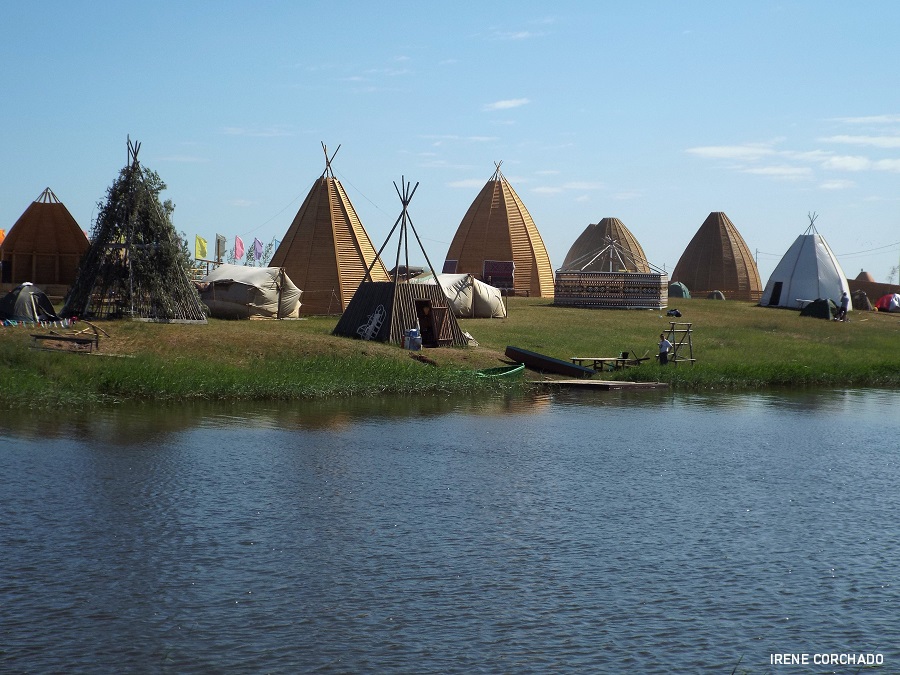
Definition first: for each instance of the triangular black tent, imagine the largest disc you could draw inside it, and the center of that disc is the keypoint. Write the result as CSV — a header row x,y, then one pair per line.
x,y
821,308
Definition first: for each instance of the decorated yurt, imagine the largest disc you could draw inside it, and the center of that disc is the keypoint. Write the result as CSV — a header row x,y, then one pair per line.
x,y
326,250
718,259
497,242
45,244
808,271
590,253
629,282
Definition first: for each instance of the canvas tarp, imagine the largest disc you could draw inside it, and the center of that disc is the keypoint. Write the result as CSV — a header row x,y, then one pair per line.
x,y
27,302
245,292
469,297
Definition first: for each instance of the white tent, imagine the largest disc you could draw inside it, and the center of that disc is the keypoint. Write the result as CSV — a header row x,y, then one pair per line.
x,y
469,297
808,271
244,292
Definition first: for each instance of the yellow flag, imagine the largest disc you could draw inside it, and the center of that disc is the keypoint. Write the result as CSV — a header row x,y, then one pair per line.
x,y
199,247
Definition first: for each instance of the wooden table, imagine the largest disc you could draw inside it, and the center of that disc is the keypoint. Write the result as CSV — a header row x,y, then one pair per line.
x,y
601,363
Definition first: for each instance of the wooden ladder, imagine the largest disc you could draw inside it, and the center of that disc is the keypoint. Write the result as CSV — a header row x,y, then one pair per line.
x,y
679,335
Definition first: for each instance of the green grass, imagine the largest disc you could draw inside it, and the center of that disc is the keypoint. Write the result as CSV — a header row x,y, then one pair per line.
x,y
737,345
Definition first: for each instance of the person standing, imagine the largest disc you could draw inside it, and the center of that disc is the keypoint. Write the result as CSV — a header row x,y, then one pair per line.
x,y
664,347
845,307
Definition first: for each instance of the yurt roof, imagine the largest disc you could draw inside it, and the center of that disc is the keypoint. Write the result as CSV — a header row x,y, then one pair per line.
x,y
591,252
326,249
46,228
718,258
498,227
864,276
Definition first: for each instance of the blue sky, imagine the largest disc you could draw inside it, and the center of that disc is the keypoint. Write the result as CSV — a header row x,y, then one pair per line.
x,y
656,113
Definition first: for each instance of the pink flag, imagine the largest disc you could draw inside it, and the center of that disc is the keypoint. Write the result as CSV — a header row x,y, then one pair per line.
x,y
257,248
238,248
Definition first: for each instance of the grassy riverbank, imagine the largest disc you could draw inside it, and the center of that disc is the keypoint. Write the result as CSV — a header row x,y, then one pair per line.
x,y
737,346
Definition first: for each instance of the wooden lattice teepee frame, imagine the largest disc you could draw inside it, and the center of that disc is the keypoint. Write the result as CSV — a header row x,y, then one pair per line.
x,y
137,266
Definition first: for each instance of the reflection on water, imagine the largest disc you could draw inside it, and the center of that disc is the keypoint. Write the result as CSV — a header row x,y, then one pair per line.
x,y
569,532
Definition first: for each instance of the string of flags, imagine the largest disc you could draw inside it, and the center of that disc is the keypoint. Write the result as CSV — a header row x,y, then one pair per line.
x,y
201,249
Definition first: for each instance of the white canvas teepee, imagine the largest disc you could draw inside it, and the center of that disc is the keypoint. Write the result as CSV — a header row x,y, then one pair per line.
x,y
808,271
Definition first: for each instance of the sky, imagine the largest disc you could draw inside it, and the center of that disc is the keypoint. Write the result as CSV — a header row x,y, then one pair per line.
x,y
656,113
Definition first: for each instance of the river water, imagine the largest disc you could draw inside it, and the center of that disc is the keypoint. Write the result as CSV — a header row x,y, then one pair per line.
x,y
567,533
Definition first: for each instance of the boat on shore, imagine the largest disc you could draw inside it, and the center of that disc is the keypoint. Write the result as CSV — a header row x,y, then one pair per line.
x,y
512,370
547,364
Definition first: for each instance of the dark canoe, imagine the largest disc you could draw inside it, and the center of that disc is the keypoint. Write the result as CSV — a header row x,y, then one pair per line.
x,y
547,364
502,371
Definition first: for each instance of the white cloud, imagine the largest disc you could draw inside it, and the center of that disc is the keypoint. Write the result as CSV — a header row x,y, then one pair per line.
x,y
847,163
787,172
581,185
874,141
892,165
547,190
748,152
507,104
837,184
871,119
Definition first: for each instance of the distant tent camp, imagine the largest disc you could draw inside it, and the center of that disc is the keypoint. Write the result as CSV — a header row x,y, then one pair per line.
x,y
386,311
468,297
718,259
136,266
808,271
45,245
27,302
246,292
888,303
590,253
326,250
497,242
678,290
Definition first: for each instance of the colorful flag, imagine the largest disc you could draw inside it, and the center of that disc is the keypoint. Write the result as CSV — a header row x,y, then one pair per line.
x,y
257,248
238,248
220,247
199,247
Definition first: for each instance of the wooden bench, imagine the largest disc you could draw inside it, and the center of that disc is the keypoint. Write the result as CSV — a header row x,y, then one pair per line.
x,y
75,341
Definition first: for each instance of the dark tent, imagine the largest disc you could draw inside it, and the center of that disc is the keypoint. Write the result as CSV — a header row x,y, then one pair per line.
x,y
27,302
678,290
715,295
861,301
822,308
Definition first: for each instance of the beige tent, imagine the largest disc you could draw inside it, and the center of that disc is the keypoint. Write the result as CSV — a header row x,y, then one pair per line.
x,y
497,242
591,252
245,292
45,245
468,297
326,250
718,259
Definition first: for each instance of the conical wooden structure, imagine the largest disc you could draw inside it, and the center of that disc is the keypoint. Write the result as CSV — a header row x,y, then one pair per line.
x,y
386,311
591,252
137,266
718,259
498,243
326,250
44,245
